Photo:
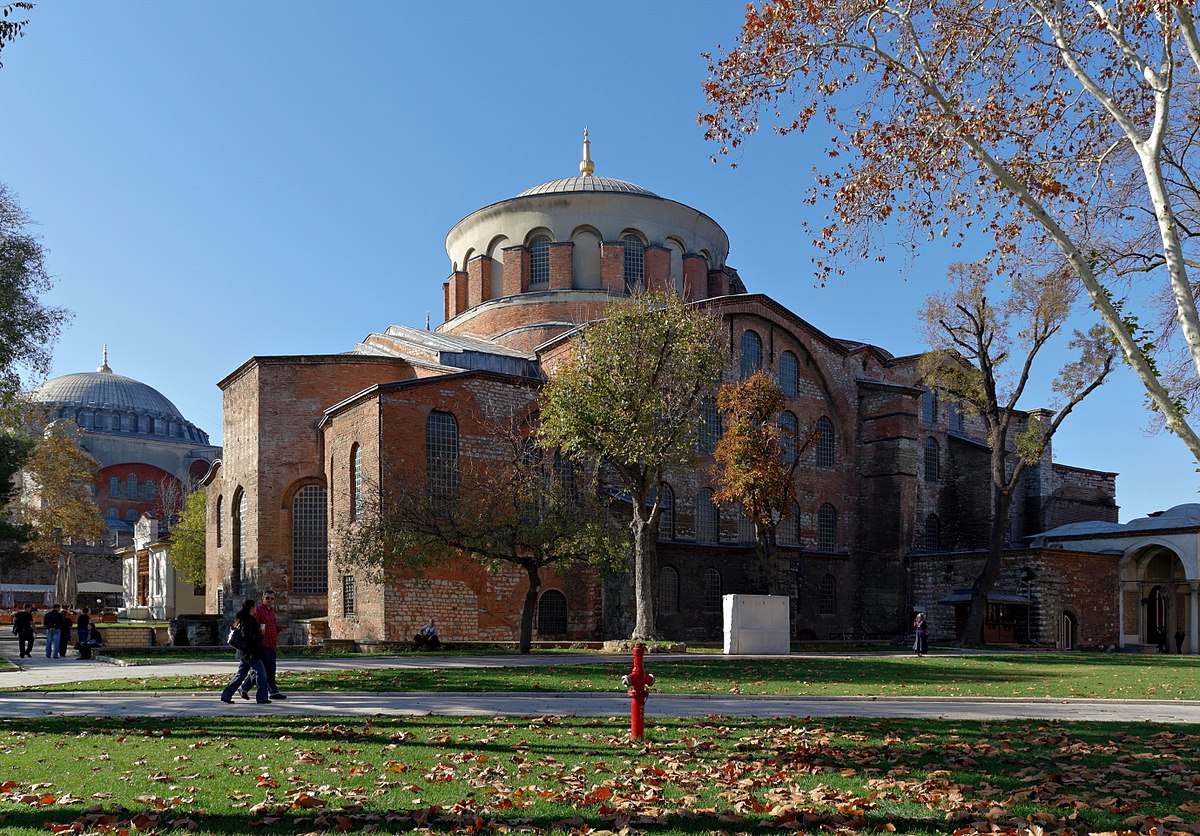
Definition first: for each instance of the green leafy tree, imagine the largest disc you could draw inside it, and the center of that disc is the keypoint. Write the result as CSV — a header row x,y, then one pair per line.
x,y
15,449
188,539
518,506
758,460
629,399
983,353
1060,127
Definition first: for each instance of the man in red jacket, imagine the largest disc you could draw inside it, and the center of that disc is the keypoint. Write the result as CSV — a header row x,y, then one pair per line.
x,y
265,614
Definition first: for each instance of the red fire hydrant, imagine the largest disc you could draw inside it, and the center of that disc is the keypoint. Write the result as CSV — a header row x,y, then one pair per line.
x,y
638,683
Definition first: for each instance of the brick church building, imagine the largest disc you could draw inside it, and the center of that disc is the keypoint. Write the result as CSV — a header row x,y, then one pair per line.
x,y
892,508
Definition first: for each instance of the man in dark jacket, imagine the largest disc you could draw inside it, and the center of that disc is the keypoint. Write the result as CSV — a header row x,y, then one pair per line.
x,y
23,627
53,622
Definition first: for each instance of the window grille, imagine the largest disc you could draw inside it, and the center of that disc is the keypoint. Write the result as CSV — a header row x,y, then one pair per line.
x,y
441,457
310,552
708,522
635,263
789,374
552,613
712,589
710,430
826,452
668,590
666,515
789,430
933,533
827,596
751,353
826,528
349,600
933,460
539,262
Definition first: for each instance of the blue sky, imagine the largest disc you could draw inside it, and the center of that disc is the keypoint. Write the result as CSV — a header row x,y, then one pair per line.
x,y
221,180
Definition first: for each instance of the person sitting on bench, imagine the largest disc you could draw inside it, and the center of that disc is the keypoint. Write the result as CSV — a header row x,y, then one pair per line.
x,y
427,637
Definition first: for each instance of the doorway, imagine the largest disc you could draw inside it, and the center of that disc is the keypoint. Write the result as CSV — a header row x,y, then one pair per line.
x,y
1068,631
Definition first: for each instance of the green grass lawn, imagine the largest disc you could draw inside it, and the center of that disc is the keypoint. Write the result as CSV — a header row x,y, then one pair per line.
x,y
1010,676
280,775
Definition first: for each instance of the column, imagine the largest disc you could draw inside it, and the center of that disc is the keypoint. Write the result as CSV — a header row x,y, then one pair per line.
x,y
1194,620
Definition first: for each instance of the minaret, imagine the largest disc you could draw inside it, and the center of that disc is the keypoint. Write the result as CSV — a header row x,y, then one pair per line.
x,y
104,369
586,166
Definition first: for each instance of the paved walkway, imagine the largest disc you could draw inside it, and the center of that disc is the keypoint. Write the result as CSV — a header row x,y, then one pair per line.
x,y
39,671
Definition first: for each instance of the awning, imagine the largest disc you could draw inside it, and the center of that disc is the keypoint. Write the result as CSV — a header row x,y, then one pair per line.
x,y
963,596
101,588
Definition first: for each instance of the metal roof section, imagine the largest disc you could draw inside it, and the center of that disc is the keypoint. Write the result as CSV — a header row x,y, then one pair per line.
x,y
587,183
454,351
105,390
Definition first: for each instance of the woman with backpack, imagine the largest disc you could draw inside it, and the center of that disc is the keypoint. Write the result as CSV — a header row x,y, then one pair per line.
x,y
246,638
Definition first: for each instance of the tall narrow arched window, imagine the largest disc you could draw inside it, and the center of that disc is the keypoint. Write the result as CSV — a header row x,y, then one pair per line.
x,y
933,533
826,528
310,550
635,263
441,457
751,353
220,520
789,527
238,529
710,429
666,514
745,526
356,482
789,432
955,417
668,590
929,407
539,262
826,450
552,614
708,521
131,486
712,589
114,486
564,474
789,374
148,489
827,596
933,460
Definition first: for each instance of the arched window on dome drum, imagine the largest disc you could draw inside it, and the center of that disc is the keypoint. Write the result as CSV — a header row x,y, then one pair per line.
x,y
310,551
789,374
826,451
789,432
826,528
712,589
441,457
751,353
539,262
635,264
668,590
552,614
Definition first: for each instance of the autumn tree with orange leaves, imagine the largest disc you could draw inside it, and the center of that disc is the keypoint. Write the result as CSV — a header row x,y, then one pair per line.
x,y
1063,129
758,459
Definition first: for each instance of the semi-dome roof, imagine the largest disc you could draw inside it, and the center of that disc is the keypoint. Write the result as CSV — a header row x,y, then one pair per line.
x,y
587,183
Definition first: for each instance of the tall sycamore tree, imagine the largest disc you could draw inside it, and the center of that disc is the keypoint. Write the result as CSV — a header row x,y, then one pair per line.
x,y
1052,126
629,400
985,343
758,460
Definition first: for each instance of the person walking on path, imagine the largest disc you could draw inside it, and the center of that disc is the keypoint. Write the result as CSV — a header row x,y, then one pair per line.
x,y
23,627
83,626
248,634
53,622
265,613
64,634
921,629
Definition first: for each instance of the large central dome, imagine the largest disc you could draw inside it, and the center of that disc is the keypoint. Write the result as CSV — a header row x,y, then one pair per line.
x,y
105,390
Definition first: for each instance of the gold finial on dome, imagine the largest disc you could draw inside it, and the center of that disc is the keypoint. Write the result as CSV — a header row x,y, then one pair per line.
x,y
104,369
586,166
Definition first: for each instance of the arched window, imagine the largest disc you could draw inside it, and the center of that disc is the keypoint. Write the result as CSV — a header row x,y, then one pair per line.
x,y
220,520
310,552
239,540
552,614
933,533
131,486
564,474
539,262
789,527
356,482
712,589
710,430
114,422
114,486
112,514
826,528
933,460
954,416
668,590
441,457
131,516
635,263
789,431
929,407
148,489
708,520
826,452
789,374
827,596
745,526
751,353
666,516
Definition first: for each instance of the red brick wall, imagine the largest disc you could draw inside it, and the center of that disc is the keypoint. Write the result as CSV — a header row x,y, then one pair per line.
x,y
561,266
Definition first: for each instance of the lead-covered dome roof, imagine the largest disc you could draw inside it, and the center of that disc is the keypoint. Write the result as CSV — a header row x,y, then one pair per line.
x,y
105,390
587,183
